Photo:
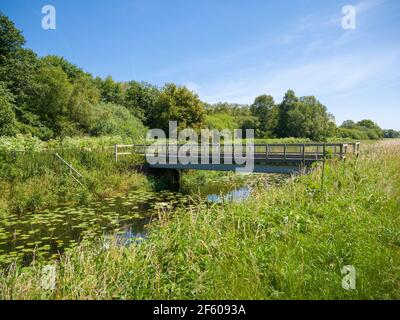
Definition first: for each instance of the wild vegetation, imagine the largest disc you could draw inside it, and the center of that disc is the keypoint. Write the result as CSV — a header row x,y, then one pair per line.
x,y
34,180
287,242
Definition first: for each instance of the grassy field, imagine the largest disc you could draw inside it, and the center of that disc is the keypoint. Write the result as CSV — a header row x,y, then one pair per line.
x,y
286,242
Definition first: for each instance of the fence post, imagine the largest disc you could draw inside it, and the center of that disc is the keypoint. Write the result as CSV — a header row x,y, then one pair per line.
x,y
323,167
284,151
116,152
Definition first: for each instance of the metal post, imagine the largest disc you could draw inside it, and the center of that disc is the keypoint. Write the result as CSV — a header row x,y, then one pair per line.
x,y
323,167
267,151
284,151
116,153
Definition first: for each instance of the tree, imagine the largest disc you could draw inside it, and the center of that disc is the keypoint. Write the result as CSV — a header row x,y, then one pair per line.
x,y
11,38
140,99
308,118
72,71
372,129
264,109
110,119
372,126
110,91
348,124
82,99
176,103
288,104
7,116
19,71
52,96
391,134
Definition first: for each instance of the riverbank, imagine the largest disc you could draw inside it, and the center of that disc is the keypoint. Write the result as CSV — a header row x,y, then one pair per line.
x,y
288,242
32,181
45,211
32,178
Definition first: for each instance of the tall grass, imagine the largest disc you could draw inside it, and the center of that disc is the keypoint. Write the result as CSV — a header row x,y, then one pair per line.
x,y
32,177
287,242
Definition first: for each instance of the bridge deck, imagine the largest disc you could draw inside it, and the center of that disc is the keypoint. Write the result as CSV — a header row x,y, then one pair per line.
x,y
267,158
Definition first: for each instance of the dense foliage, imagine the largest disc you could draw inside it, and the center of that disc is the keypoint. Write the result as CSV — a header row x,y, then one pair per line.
x,y
391,134
48,97
298,117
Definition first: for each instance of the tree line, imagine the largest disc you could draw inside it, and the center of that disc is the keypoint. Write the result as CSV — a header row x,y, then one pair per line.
x,y
49,97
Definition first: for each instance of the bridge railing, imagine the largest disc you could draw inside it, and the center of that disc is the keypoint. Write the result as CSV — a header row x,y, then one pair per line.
x,y
266,152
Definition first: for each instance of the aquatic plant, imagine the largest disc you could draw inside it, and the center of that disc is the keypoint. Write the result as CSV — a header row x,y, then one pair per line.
x,y
287,242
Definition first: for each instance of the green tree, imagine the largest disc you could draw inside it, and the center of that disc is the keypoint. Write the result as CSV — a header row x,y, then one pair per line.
x,y
111,119
349,124
83,97
19,71
11,38
177,103
110,91
52,96
372,126
264,109
308,118
8,123
391,134
288,104
72,71
140,99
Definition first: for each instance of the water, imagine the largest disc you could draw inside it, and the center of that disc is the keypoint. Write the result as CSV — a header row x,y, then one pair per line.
x,y
237,195
48,233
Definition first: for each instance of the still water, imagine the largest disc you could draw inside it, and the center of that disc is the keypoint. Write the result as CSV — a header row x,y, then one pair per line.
x,y
48,233
236,195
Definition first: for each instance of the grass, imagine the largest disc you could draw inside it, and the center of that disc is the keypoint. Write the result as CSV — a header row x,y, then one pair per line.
x,y
32,178
286,242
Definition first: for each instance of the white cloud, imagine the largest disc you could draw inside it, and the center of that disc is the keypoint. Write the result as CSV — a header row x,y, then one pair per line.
x,y
328,77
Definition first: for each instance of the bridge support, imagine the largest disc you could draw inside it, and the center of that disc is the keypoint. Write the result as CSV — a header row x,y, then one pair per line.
x,y
170,177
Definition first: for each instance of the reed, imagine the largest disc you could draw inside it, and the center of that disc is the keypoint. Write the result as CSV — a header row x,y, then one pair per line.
x,y
286,242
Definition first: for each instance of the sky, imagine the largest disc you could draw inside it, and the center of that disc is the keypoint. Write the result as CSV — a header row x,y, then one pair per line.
x,y
231,50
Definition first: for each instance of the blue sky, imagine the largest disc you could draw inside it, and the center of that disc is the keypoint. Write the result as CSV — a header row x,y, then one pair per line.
x,y
233,50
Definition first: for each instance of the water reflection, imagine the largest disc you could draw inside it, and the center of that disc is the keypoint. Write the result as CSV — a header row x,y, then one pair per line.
x,y
237,195
130,236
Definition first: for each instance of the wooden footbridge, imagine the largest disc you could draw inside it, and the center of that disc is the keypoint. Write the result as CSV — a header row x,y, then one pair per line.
x,y
267,158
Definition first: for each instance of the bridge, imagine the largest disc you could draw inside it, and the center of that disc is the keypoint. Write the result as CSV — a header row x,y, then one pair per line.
x,y
267,158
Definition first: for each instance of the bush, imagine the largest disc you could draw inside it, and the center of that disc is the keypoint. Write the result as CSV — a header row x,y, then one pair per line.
x,y
7,115
356,134
111,119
